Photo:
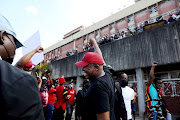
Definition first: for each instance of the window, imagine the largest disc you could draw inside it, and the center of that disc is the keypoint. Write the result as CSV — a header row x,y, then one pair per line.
x,y
52,53
152,20
145,77
85,37
153,9
130,19
175,74
97,32
111,26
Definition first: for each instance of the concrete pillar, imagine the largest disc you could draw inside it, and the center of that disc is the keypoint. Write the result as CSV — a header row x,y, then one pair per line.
x,y
140,91
158,9
134,19
79,80
148,14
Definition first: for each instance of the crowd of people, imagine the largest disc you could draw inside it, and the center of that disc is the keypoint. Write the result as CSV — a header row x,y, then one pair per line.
x,y
27,97
74,52
173,17
107,38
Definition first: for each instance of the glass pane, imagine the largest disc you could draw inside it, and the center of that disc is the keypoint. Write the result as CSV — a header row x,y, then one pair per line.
x,y
130,78
175,74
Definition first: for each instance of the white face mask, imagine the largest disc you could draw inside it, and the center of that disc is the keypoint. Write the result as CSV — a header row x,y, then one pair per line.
x,y
29,73
80,88
0,58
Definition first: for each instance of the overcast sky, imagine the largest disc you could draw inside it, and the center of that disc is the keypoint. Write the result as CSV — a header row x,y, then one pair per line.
x,y
54,18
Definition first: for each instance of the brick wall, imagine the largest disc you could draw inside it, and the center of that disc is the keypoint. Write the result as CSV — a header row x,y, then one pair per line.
x,y
167,6
121,24
105,30
141,16
68,47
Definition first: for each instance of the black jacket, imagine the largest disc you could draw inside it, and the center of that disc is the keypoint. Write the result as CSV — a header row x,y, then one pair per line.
x,y
19,94
120,109
80,102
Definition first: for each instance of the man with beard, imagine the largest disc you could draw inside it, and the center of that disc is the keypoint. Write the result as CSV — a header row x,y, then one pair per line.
x,y
80,100
99,99
19,96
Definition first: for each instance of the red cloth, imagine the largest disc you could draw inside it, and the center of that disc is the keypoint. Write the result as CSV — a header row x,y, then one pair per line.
x,y
60,98
71,92
52,96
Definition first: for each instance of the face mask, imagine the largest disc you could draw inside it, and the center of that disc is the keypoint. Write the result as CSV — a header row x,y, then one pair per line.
x,y
9,59
29,73
124,83
80,88
0,58
158,86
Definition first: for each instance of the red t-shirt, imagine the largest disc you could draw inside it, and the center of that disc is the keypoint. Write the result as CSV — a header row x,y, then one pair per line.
x,y
71,92
61,91
52,96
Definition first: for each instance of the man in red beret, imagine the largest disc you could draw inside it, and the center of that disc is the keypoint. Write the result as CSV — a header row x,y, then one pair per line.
x,y
62,97
28,66
99,99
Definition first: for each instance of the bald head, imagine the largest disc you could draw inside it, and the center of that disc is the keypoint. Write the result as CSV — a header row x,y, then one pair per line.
x,y
121,76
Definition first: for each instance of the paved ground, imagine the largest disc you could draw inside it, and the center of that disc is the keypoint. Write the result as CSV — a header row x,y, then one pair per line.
x,y
174,117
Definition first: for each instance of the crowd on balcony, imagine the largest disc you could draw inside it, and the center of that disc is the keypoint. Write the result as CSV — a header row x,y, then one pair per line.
x,y
74,52
173,17
129,32
108,38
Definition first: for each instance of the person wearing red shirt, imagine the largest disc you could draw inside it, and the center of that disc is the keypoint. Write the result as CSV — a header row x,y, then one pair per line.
x,y
62,97
70,102
51,101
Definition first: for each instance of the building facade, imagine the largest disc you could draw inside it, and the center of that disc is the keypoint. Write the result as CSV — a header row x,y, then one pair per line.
x,y
136,14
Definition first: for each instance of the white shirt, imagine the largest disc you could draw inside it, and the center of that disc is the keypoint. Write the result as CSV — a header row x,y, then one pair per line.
x,y
128,95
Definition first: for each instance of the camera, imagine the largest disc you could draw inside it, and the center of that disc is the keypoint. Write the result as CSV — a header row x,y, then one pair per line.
x,y
48,71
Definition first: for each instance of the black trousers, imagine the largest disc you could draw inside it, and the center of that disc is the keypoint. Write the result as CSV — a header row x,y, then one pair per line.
x,y
58,114
69,111
45,109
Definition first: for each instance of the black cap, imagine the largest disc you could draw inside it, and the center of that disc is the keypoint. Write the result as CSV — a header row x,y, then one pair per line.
x,y
85,81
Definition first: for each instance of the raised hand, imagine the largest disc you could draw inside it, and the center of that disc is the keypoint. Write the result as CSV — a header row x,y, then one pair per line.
x,y
92,41
154,64
39,49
